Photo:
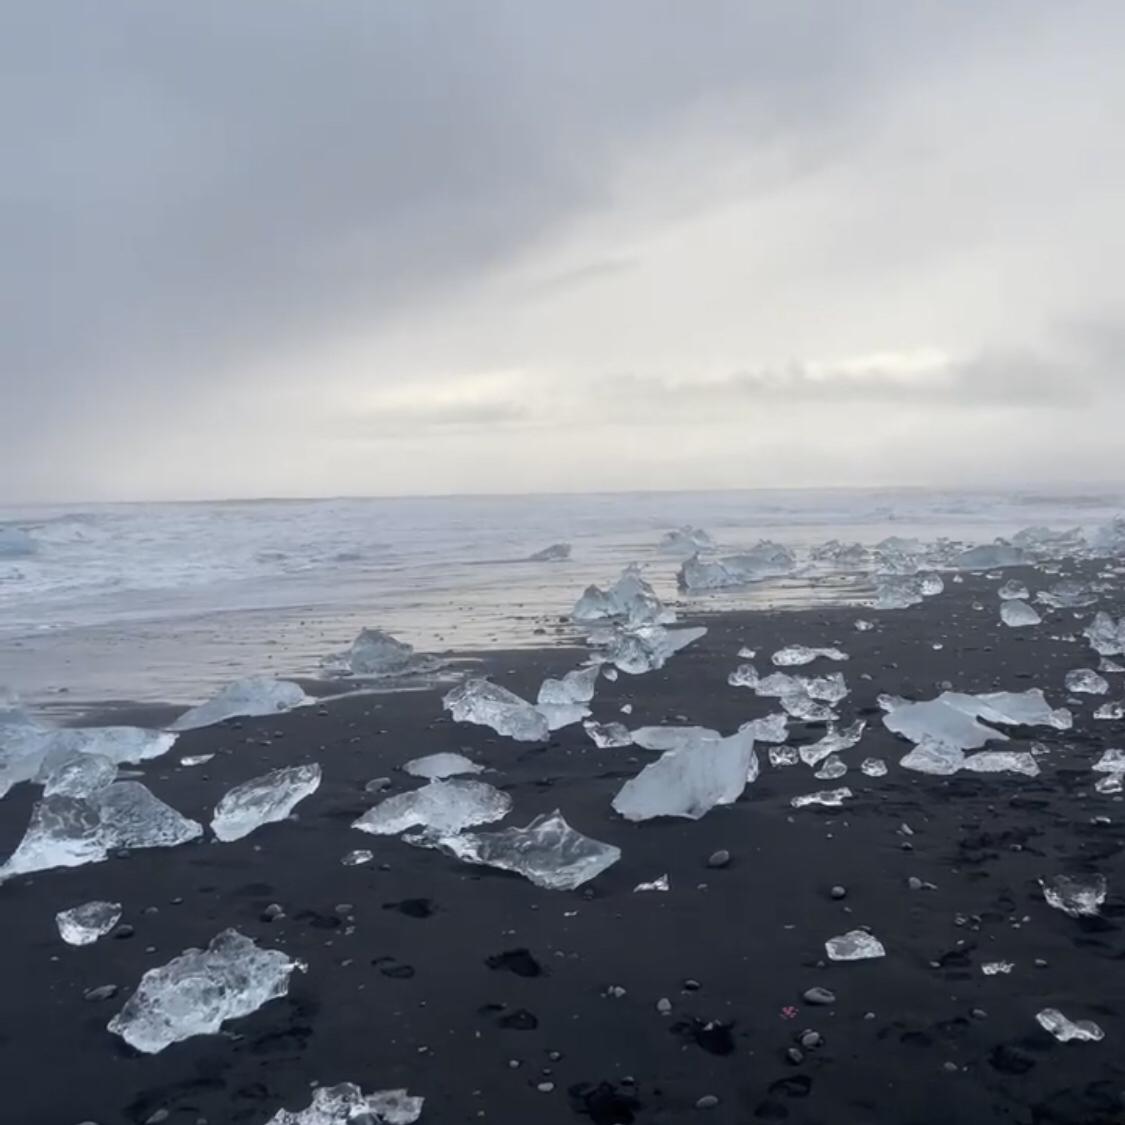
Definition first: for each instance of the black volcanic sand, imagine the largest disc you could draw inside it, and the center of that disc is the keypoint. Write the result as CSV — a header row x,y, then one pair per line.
x,y
474,988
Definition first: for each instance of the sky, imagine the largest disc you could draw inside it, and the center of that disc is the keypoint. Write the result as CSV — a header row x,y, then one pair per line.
x,y
295,248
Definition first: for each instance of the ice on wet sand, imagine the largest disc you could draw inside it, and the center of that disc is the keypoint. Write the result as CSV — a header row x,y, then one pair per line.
x,y
195,993
1066,1031
770,728
933,757
856,945
1001,761
873,767
83,925
434,767
256,695
1106,637
797,655
1076,895
833,742
77,775
1085,681
1017,614
487,704
548,852
440,806
374,653
263,800
347,1104
1014,589
829,798
575,687
607,736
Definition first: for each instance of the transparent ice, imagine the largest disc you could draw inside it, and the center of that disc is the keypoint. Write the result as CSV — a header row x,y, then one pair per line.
x,y
1076,895
873,767
1086,681
263,800
833,742
83,925
445,764
830,798
856,945
487,704
440,806
795,656
346,1104
256,695
1065,1031
607,736
1018,614
1013,588
831,769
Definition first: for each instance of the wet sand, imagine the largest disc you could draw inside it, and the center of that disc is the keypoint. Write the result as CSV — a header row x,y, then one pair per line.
x,y
496,1000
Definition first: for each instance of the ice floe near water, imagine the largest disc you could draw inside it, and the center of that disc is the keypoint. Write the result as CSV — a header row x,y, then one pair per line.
x,y
556,552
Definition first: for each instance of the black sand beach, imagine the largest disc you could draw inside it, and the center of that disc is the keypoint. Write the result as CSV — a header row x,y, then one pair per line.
x,y
499,1001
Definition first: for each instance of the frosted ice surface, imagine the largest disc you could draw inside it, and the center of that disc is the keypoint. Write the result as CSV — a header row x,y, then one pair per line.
x,y
263,800
607,736
658,884
1111,761
691,780
832,768
1111,783
1064,1030
783,756
1110,711
938,722
1010,708
1076,895
1068,594
833,742
76,775
256,695
648,648
1018,614
990,556
1086,681
799,705
856,945
445,764
346,1104
548,852
794,656
1106,637
440,807
745,675
939,758
197,992
930,585
489,705
575,687
1014,589
769,728
993,968
83,925
830,798
874,767
556,552
1002,761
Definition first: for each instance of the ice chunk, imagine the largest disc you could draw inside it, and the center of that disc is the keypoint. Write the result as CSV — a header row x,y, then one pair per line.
x,y
1076,895
256,695
937,722
648,648
856,945
1014,589
830,689
1111,761
769,728
930,585
660,884
263,800
489,705
119,744
898,592
830,798
1010,708
745,675
794,656
991,556
195,993
436,766
799,705
132,817
686,540
832,768
1068,594
76,775
833,742
607,736
674,738
441,806
933,757
783,756
1110,711
195,759
374,653
346,1104
690,781
630,599
357,858
874,767
863,626
556,552
1109,539
548,851
992,968
559,715
1086,681
83,925
1001,761
765,560
1018,614
15,543
1111,783
1107,638
845,556
1064,1030
574,687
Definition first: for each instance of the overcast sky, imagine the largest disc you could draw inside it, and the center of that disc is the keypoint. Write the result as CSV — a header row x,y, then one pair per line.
x,y
369,246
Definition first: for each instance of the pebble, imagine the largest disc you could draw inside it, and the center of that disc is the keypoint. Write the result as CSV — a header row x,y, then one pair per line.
x,y
102,992
819,995
124,931
708,1101
377,785
795,1055
272,912
157,1117
838,891
950,1066
721,858
810,1039
664,1006
545,1087
1040,962
979,1014
692,985
914,883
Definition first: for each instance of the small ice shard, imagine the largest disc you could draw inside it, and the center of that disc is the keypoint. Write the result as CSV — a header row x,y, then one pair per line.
x,y
1086,681
992,968
1017,614
856,945
1110,711
445,764
263,800
489,705
374,653
1064,1030
556,552
574,687
745,675
863,626
649,647
783,756
745,653
873,767
1014,589
833,742
990,557
195,993
606,736
1001,761
1111,783
609,673
1111,761
440,807
346,1104
357,857
1106,638
660,884
832,768
830,798
931,585
770,728
548,852
83,925
933,757
195,759
794,656
1076,895
1067,594
690,781
256,695
77,775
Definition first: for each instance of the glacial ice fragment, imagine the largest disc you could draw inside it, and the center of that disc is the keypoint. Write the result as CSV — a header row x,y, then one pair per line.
x,y
574,687
1001,761
691,780
195,993
1018,614
1014,589
1076,895
559,715
76,775
794,656
833,742
548,852
832,768
1086,681
83,925
873,767
556,552
933,757
1068,594
856,945
686,540
357,857
898,592
630,599
346,1104
374,653
488,705
648,648
829,798
937,722
440,807
1111,761
783,756
263,800
993,968
1010,708
658,884
434,767
1110,711
256,695
1064,1030
769,728
606,736
990,557
1106,637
